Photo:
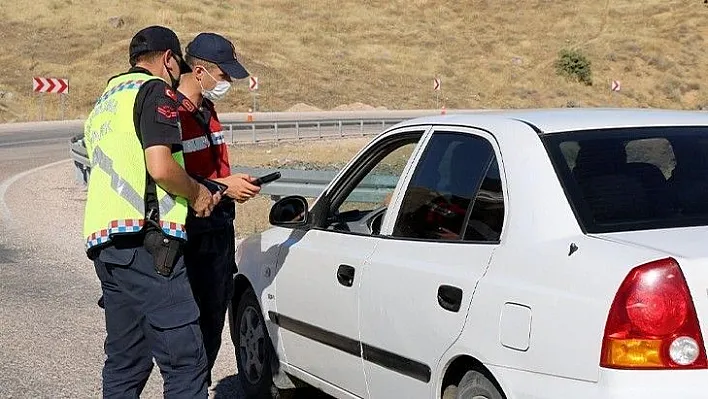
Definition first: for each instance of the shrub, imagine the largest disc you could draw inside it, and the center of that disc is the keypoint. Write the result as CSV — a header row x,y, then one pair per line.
x,y
574,65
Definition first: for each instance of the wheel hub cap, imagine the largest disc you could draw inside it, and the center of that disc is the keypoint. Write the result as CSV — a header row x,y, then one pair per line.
x,y
252,341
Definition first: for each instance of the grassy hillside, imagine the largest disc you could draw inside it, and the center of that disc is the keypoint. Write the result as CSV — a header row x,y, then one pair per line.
x,y
489,53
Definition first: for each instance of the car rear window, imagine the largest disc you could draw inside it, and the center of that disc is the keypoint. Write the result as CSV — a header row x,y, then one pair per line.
x,y
634,179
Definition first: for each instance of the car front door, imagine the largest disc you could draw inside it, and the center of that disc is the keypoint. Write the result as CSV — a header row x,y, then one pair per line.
x,y
317,281
417,286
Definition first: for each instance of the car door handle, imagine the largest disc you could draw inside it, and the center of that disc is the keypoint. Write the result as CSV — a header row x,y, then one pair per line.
x,y
345,275
450,298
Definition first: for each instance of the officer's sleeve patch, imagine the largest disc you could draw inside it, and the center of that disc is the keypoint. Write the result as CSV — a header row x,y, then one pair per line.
x,y
166,112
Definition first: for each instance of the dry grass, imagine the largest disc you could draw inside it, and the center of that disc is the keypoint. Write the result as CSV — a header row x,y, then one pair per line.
x,y
252,216
326,53
326,153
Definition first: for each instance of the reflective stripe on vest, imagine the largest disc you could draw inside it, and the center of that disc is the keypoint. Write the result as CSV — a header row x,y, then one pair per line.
x,y
218,137
166,204
202,143
118,184
125,190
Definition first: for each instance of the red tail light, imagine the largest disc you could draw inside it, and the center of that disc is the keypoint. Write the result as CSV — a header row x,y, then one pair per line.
x,y
652,323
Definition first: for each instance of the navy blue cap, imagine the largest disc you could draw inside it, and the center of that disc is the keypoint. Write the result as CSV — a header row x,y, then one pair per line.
x,y
218,50
156,38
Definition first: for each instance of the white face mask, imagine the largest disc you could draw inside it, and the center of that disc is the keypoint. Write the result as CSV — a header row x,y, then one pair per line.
x,y
218,92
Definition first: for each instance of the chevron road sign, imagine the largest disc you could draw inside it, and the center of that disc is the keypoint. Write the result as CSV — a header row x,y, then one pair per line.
x,y
50,85
616,85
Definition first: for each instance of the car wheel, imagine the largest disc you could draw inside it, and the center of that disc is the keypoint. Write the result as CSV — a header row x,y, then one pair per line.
x,y
254,351
474,385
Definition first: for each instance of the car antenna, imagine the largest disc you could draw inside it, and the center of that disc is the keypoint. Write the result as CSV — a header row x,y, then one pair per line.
x,y
573,248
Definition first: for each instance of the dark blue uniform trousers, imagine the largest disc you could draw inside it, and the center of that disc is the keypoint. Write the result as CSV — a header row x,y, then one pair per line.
x,y
149,316
210,260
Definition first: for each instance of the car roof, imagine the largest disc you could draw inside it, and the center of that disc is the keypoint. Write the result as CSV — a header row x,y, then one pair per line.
x,y
554,120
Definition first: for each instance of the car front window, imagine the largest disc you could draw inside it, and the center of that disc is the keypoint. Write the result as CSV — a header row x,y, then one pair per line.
x,y
360,201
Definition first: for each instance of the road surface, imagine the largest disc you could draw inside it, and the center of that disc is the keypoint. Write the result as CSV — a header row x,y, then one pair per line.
x,y
51,330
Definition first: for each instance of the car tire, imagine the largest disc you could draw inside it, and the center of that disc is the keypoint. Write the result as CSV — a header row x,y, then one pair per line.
x,y
254,350
475,385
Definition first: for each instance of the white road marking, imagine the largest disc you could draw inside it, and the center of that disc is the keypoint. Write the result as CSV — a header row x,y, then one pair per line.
x,y
4,210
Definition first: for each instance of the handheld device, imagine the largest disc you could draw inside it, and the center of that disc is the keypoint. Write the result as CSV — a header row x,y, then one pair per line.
x,y
267,179
213,186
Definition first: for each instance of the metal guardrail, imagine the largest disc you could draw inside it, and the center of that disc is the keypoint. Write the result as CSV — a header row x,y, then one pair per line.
x,y
311,183
255,132
308,183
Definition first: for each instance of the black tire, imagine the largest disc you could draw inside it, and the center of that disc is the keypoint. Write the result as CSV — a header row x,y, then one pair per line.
x,y
474,385
255,358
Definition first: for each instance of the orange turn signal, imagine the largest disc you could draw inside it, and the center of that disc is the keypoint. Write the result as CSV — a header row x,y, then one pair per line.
x,y
633,353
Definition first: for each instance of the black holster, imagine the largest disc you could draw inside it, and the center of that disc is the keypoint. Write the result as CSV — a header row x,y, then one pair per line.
x,y
165,251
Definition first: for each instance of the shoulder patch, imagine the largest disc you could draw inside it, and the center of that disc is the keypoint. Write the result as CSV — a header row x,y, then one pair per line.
x,y
166,112
186,104
170,93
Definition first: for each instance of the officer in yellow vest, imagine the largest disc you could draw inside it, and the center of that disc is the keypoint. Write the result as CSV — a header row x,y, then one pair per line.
x,y
138,194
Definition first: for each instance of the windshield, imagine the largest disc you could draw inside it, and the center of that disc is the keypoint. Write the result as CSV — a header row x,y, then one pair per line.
x,y
634,178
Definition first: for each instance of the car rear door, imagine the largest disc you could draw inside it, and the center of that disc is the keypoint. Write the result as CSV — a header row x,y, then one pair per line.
x,y
418,284
317,281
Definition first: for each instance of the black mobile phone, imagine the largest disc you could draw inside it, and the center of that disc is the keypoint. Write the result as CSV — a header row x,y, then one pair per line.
x,y
267,179
213,186
217,187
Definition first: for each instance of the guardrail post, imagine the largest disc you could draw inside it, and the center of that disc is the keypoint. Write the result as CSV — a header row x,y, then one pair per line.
x,y
231,131
79,173
383,124
361,127
319,130
253,130
341,132
275,125
297,130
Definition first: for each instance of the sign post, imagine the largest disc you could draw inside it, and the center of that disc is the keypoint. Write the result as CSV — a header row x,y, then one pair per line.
x,y
253,88
437,83
50,85
61,106
616,85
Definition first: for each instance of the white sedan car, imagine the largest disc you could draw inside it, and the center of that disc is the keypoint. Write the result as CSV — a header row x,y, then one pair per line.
x,y
510,254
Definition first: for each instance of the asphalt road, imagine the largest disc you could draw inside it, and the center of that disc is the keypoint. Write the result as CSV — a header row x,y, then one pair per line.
x,y
51,330
38,134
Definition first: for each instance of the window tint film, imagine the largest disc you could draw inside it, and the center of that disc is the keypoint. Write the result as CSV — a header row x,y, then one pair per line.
x,y
443,187
634,179
487,215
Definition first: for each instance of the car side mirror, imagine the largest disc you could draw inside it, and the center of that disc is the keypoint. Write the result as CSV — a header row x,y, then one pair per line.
x,y
291,211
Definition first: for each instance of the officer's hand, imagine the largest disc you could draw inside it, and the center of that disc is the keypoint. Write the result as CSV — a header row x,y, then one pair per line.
x,y
240,187
205,202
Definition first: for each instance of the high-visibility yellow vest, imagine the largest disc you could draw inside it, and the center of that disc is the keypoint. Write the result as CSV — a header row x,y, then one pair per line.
x,y
116,188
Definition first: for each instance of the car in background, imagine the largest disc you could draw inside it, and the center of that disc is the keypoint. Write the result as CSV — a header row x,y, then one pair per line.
x,y
511,254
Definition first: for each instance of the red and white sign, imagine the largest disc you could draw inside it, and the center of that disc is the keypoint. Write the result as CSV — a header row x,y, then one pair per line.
x,y
50,85
436,84
253,83
616,86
